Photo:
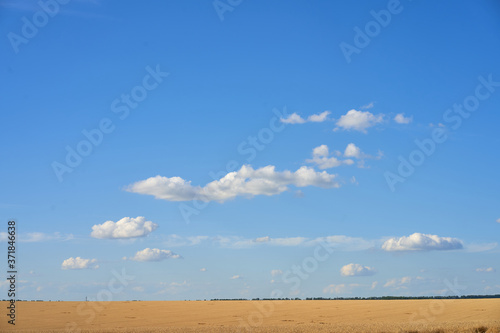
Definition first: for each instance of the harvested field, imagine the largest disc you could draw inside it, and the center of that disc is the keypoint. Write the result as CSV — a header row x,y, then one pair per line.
x,y
437,316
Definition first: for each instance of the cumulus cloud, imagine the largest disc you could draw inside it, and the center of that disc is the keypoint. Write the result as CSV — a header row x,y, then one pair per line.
x,y
356,270
401,119
486,270
358,120
322,159
79,263
127,227
422,242
246,182
153,255
295,118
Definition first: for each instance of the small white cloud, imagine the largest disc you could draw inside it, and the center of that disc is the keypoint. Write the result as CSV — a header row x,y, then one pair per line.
x,y
318,118
79,263
235,277
422,242
294,118
367,106
154,255
374,285
358,120
486,270
246,182
203,269
401,119
354,181
138,289
352,151
127,227
498,220
276,272
335,289
356,270
323,161
398,283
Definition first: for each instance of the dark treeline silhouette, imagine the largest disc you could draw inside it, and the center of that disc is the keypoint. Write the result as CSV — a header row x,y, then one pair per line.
x,y
358,298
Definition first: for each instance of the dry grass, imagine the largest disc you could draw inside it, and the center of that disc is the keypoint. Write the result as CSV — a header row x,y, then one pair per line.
x,y
403,316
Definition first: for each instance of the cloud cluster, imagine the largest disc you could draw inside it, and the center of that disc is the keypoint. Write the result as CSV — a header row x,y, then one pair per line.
x,y
153,255
356,270
321,157
358,120
422,242
127,227
326,160
246,182
295,118
79,263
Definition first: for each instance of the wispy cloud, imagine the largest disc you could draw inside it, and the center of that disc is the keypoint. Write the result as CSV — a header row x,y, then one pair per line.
x,y
401,119
153,255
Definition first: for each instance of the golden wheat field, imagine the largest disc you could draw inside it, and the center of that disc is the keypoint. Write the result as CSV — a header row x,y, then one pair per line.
x,y
467,315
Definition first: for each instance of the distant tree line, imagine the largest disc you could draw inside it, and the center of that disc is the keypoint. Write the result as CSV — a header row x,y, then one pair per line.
x,y
358,298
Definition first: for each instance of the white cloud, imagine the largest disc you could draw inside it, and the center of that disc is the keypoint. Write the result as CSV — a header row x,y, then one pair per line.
x,y
295,118
401,119
367,106
498,220
235,277
154,255
246,182
318,118
352,151
358,120
323,161
203,269
374,285
127,227
422,242
79,263
275,272
335,289
400,283
138,289
33,237
356,270
487,270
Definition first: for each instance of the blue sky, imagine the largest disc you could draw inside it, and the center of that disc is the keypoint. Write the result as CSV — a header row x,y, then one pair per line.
x,y
236,150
